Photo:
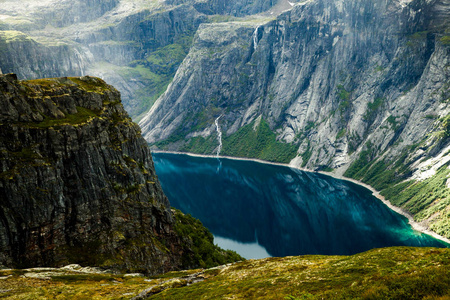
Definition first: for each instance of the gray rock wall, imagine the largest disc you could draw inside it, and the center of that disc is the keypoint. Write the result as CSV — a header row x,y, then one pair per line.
x,y
325,67
77,182
30,59
111,39
360,88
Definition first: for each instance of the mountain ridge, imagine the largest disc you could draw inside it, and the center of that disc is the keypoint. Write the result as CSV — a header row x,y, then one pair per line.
x,y
357,87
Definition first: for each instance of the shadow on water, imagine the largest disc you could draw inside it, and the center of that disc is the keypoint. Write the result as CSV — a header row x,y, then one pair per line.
x,y
284,210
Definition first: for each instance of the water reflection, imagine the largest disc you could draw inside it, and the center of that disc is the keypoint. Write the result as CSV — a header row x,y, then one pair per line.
x,y
284,210
246,250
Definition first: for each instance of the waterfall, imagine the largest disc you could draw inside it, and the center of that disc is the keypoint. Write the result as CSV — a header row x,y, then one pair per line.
x,y
219,138
255,38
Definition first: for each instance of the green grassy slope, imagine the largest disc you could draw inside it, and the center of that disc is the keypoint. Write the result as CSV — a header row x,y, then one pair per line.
x,y
389,273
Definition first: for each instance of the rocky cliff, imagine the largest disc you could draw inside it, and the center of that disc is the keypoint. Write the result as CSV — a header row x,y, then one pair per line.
x,y
360,88
32,59
77,184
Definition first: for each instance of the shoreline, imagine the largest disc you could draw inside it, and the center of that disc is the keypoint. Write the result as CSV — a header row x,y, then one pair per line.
x,y
415,225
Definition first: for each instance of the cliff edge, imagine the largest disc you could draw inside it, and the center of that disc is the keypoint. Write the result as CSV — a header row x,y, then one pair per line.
x,y
77,183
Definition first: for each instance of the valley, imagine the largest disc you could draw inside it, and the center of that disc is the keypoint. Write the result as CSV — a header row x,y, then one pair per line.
x,y
353,89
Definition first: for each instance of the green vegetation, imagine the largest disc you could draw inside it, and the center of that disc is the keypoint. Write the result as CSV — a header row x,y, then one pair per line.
x,y
344,99
420,35
359,166
196,237
86,83
25,158
379,174
375,104
82,116
445,40
200,145
372,108
445,123
389,273
222,18
90,84
205,117
393,121
327,169
310,125
166,59
249,141
155,85
379,68
259,142
425,199
416,38
156,71
341,133
343,94
9,36
306,155
69,285
343,106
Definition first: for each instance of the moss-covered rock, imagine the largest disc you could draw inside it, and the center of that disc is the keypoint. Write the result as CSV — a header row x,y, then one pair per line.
x,y
390,273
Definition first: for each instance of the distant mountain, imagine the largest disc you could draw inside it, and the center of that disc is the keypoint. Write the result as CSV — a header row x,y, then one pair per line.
x,y
360,88
135,45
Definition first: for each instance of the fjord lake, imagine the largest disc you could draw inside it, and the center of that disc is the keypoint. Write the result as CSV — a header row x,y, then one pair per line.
x,y
261,210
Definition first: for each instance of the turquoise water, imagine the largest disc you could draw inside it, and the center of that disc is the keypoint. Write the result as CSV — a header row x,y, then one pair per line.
x,y
262,210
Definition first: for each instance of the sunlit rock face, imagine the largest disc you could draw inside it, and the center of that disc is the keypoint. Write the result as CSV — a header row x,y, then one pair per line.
x,y
134,45
331,77
358,87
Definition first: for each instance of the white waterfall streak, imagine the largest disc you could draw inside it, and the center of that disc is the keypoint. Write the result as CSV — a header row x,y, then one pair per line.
x,y
255,38
219,138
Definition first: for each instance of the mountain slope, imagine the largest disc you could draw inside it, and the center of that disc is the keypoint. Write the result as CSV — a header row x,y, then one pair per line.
x,y
135,45
358,87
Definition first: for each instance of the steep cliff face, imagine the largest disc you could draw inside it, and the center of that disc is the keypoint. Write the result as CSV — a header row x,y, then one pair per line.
x,y
235,7
32,59
33,15
77,182
359,87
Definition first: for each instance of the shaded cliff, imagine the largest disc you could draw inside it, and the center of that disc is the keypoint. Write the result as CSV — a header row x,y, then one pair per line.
x,y
77,184
360,88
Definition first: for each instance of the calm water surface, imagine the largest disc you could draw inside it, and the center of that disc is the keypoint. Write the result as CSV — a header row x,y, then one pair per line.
x,y
262,210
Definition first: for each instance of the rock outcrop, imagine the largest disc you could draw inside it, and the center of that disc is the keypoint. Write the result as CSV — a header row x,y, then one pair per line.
x,y
77,182
358,87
